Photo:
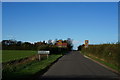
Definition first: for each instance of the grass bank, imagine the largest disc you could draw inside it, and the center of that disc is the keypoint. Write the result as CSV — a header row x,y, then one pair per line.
x,y
107,54
24,71
114,67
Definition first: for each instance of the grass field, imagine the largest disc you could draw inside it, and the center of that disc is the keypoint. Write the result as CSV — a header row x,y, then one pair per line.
x,y
9,55
23,71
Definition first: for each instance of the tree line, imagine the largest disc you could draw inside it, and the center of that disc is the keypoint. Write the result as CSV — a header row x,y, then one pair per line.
x,y
41,45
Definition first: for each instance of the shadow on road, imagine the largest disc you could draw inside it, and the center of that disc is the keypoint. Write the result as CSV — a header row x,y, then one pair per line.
x,y
74,66
79,78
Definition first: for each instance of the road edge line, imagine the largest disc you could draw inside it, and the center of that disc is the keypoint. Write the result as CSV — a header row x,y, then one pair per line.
x,y
103,65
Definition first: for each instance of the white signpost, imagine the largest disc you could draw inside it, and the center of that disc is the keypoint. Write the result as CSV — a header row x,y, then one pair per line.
x,y
46,53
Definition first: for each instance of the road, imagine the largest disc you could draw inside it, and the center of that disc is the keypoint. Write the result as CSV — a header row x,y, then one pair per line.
x,y
74,66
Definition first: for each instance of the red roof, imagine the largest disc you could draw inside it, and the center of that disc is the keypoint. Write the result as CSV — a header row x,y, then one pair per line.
x,y
64,44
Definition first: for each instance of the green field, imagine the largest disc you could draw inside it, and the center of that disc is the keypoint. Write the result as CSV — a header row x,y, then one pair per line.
x,y
9,55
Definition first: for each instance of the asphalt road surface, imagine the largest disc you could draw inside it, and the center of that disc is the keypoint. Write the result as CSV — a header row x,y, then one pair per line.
x,y
75,66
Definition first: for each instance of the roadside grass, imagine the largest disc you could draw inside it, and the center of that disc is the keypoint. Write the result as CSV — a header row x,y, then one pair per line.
x,y
114,67
9,55
24,71
0,56
108,54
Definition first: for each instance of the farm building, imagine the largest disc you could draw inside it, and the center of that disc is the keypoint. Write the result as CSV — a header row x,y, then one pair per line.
x,y
60,43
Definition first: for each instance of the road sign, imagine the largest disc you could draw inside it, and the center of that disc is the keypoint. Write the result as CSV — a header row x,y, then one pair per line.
x,y
43,53
86,43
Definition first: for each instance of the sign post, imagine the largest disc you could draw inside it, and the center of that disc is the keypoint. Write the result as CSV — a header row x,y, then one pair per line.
x,y
39,57
86,43
43,53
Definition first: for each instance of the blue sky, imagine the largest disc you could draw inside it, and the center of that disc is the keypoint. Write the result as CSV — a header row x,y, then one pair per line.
x,y
60,0
31,21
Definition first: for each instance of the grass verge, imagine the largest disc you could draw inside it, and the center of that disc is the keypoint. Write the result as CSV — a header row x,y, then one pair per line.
x,y
24,71
112,66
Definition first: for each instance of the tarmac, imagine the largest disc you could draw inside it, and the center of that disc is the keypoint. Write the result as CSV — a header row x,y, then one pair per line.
x,y
74,66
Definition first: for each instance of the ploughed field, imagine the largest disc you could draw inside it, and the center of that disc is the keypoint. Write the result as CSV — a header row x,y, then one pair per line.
x,y
10,55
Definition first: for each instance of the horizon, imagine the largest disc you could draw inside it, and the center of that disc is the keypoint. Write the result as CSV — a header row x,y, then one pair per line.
x,y
31,22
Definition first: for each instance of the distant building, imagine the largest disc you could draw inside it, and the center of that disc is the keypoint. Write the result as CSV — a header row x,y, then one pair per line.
x,y
60,43
64,44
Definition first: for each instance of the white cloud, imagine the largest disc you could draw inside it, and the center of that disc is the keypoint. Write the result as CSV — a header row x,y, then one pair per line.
x,y
76,42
